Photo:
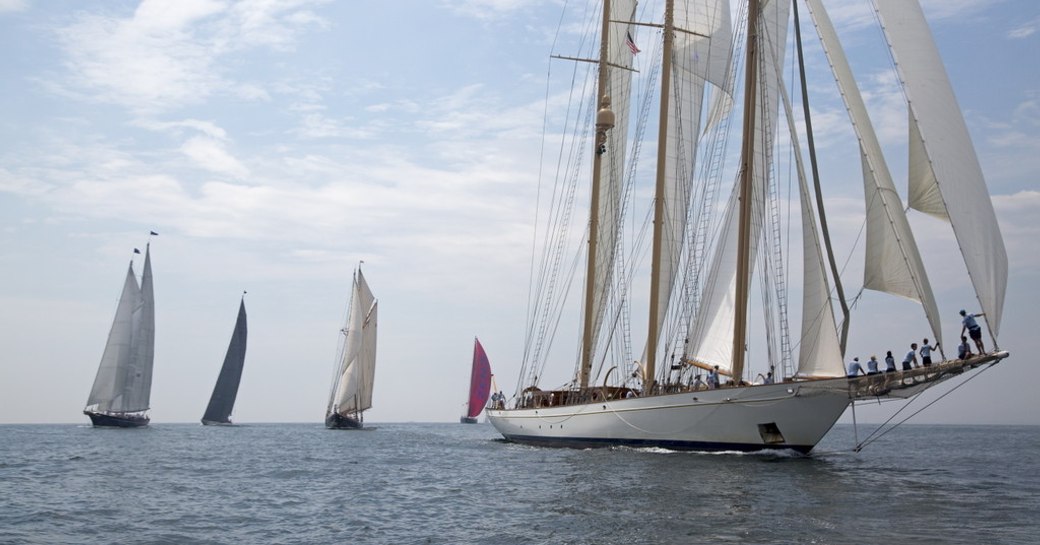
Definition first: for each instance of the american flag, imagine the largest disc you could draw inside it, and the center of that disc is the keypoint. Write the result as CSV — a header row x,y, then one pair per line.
x,y
631,43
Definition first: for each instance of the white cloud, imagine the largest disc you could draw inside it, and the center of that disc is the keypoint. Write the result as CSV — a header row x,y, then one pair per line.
x,y
1024,30
211,154
166,54
11,6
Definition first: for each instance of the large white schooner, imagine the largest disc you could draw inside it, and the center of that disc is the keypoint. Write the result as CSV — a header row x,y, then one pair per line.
x,y
703,255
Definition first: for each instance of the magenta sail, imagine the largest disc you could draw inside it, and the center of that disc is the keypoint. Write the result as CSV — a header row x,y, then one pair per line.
x,y
479,381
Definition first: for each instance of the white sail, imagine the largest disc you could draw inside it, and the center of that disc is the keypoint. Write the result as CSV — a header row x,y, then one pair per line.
x,y
612,165
110,379
701,52
352,390
124,380
819,350
893,262
139,373
946,179
711,332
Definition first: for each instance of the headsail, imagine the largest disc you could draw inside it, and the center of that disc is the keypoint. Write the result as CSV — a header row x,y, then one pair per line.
x,y
946,179
893,262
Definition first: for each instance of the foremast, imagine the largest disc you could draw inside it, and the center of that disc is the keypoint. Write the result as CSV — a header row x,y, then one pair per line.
x,y
746,167
604,122
649,380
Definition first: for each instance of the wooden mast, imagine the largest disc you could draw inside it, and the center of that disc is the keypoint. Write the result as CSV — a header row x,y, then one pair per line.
x,y
604,122
659,188
747,161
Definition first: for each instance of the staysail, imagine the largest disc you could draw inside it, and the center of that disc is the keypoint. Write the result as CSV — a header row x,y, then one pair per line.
x,y
479,381
893,262
700,55
946,179
222,401
712,330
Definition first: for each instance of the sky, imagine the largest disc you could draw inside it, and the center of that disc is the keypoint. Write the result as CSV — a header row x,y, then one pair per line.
x,y
275,146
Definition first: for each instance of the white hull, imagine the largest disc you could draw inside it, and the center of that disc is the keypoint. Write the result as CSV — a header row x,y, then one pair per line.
x,y
778,416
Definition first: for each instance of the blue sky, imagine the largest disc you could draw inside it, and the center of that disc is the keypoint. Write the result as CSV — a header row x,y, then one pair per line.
x,y
274,145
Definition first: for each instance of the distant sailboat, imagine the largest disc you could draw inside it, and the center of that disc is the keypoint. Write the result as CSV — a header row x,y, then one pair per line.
x,y
222,402
351,391
479,384
123,385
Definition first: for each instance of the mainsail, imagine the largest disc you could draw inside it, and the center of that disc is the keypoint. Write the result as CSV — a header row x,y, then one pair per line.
x,y
946,179
352,387
124,379
222,402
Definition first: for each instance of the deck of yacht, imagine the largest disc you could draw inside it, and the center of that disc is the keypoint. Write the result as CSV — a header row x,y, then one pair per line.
x,y
903,384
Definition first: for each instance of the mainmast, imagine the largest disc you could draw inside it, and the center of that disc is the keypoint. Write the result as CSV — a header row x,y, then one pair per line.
x,y
604,122
747,161
659,189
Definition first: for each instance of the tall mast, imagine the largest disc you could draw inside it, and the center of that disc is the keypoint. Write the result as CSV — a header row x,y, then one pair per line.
x,y
747,161
604,122
659,187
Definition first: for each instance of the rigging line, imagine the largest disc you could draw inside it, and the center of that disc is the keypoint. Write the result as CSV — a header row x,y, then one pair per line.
x,y
872,438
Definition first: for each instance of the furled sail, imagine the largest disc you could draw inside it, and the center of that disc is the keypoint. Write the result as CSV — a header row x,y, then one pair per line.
x,y
711,332
222,401
946,179
353,387
893,262
612,165
700,53
479,381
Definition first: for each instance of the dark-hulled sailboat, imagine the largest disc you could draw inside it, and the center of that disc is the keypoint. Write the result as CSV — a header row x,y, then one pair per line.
x,y
222,402
352,384
122,388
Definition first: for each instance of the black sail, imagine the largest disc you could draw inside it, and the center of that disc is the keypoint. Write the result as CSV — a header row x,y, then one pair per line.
x,y
222,401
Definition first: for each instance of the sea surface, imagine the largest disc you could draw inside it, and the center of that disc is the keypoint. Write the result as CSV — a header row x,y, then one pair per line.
x,y
459,484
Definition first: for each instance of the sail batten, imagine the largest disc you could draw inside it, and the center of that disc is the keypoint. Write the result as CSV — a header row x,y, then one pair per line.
x,y
946,179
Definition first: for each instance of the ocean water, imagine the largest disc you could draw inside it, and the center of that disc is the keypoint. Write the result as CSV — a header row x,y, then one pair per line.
x,y
460,484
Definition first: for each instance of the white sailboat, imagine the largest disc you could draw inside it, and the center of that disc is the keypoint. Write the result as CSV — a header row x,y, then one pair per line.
x,y
355,370
122,388
701,265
